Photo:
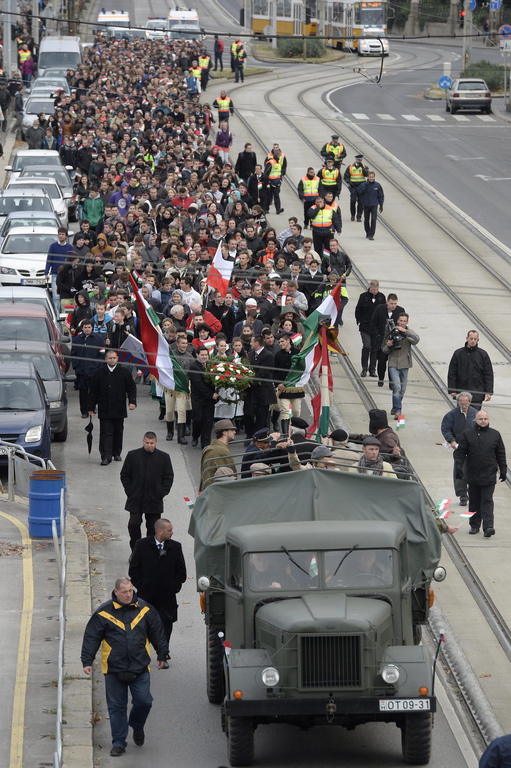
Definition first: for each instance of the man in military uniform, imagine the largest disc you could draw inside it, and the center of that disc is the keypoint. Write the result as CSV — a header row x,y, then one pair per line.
x,y
335,150
355,174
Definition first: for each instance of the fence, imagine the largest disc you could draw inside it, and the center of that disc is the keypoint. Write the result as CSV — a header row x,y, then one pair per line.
x,y
11,451
61,557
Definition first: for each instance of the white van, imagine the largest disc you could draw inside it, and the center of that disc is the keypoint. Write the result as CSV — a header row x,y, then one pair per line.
x,y
59,53
112,18
184,23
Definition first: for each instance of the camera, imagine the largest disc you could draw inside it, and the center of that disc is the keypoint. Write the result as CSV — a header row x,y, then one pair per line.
x,y
394,334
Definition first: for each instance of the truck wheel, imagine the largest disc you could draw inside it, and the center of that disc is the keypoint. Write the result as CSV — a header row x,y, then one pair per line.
x,y
416,738
215,667
240,740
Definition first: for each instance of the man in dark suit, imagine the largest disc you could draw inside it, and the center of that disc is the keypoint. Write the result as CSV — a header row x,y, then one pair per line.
x,y
261,394
147,476
204,398
384,312
109,388
158,571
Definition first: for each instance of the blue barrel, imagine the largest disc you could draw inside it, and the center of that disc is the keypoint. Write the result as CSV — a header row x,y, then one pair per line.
x,y
44,502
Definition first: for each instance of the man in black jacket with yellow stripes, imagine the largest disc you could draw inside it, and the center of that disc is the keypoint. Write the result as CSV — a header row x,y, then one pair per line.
x,y
122,627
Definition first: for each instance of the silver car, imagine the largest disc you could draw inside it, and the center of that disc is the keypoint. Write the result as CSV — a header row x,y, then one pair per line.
x,y
52,189
468,93
24,200
33,107
54,83
23,255
30,220
26,157
61,176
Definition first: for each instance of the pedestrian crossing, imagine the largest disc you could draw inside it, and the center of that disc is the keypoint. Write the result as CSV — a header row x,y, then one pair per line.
x,y
435,118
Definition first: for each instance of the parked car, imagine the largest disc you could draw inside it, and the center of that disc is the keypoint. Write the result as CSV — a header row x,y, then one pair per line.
x,y
32,108
29,220
32,322
468,93
54,83
63,179
48,368
24,200
52,189
156,28
372,43
25,157
24,409
27,294
23,255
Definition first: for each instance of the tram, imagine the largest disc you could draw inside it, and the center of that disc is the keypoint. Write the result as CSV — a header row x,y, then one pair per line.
x,y
341,23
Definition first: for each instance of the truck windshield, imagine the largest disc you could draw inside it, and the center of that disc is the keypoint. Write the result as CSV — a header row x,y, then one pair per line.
x,y
362,568
275,570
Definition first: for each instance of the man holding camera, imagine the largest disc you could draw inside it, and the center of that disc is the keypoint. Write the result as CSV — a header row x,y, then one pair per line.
x,y
397,344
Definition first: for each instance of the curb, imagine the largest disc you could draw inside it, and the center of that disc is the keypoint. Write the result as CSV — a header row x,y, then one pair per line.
x,y
77,728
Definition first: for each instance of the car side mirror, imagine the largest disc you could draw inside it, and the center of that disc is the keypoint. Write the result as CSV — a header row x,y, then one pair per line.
x,y
65,340
69,168
70,377
8,167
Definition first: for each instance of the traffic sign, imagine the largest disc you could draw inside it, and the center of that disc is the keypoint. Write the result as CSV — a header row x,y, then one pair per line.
x,y
505,31
445,82
505,46
495,5
473,5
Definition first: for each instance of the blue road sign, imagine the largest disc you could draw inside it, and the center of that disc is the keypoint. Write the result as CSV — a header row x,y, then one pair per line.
x,y
473,5
495,5
505,31
445,82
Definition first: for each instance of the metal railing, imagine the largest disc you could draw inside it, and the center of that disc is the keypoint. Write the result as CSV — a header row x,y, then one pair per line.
x,y
11,450
61,557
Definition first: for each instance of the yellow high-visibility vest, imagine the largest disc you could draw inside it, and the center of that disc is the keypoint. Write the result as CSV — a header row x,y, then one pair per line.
x,y
323,218
276,170
310,186
204,62
356,173
329,177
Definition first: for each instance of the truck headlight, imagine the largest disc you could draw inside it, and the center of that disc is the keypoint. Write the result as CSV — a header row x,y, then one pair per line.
x,y
34,434
390,674
56,404
270,677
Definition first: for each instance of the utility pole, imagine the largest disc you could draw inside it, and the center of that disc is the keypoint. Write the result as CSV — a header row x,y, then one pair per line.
x,y
7,29
467,39
35,21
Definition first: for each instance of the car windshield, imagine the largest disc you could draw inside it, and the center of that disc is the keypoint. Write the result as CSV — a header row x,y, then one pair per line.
x,y
358,567
24,329
14,298
68,59
155,24
59,175
178,34
52,190
36,203
35,106
475,85
29,243
45,365
283,570
27,222
20,395
24,161
372,33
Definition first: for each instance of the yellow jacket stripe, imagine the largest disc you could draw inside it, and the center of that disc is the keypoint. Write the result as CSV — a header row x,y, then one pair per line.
x,y
112,619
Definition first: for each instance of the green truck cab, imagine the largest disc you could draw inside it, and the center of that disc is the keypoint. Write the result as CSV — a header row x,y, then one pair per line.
x,y
314,586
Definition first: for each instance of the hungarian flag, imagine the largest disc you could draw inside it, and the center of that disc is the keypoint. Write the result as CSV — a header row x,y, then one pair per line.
x,y
162,364
322,401
219,275
466,514
400,422
442,504
309,356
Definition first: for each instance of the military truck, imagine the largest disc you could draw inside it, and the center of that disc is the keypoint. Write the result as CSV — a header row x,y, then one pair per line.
x,y
314,588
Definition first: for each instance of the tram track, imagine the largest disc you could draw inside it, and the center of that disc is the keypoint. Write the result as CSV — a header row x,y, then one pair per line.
x,y
475,585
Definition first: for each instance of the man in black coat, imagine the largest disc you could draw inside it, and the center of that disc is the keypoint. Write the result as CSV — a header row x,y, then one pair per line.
x,y
86,359
246,163
204,398
367,303
390,311
147,476
109,388
471,370
158,571
484,450
261,393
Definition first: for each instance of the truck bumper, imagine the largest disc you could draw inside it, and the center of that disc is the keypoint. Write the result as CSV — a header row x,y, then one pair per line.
x,y
284,708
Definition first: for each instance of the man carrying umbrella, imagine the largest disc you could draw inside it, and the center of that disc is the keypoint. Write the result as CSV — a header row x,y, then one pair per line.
x,y
111,385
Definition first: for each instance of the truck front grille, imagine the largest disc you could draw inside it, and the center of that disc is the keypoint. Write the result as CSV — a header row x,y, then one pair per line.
x,y
329,661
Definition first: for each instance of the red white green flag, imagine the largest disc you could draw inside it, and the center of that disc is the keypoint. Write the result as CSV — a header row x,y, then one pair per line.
x,y
220,271
162,363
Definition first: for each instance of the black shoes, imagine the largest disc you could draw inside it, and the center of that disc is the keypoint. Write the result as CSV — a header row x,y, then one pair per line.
x,y
363,374
476,530
373,374
139,738
281,210
359,219
117,458
489,532
370,237
195,441
117,751
104,462
380,382
353,218
463,501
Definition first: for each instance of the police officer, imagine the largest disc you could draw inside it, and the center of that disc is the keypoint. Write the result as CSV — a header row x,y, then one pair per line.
x,y
273,172
324,221
308,189
336,150
329,178
205,65
355,174
225,107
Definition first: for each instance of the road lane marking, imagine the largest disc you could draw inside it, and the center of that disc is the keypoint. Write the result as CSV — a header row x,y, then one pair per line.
x,y
411,118
360,116
461,118
436,118
386,117
21,681
486,118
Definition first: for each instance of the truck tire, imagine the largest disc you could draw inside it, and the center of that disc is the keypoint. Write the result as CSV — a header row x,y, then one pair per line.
x,y
240,740
215,667
416,738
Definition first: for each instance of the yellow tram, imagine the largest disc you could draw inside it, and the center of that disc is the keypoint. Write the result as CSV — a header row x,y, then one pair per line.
x,y
341,23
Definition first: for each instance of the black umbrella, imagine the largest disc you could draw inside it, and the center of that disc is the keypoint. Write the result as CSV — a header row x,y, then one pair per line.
x,y
89,429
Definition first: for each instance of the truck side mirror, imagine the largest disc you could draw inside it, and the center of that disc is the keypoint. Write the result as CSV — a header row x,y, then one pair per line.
x,y
203,583
439,573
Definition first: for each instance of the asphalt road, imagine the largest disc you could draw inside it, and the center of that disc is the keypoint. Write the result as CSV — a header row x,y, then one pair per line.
x,y
464,155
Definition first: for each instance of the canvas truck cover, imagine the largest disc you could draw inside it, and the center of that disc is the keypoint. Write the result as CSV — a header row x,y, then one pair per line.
x,y
313,494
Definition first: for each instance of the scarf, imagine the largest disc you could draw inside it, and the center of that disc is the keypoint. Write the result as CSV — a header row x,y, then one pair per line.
x,y
376,466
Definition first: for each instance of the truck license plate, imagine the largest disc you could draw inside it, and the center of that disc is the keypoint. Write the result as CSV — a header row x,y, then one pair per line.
x,y
403,705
